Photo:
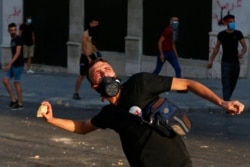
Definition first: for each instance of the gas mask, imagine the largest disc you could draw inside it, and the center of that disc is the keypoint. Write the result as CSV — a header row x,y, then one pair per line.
x,y
231,26
109,86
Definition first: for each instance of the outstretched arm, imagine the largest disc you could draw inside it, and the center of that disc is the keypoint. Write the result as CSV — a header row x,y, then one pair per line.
x,y
235,107
75,126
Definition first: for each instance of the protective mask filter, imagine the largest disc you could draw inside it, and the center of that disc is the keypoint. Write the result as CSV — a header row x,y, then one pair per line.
x,y
109,86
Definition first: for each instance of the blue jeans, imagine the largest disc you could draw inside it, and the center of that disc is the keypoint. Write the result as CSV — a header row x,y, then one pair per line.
x,y
172,59
229,77
15,72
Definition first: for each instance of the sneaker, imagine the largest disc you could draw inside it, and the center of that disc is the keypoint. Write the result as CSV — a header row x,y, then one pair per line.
x,y
17,107
76,96
30,71
12,104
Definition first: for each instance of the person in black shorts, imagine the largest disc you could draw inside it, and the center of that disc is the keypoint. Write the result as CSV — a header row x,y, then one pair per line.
x,y
89,53
84,62
142,144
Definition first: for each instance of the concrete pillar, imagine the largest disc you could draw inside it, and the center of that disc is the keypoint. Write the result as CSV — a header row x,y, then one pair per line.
x,y
133,40
76,24
11,12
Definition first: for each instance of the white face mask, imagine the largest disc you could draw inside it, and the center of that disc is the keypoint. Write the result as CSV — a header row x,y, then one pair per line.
x,y
175,25
29,21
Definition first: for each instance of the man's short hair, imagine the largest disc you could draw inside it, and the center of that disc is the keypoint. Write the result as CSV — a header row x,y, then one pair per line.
x,y
90,20
229,16
12,25
91,64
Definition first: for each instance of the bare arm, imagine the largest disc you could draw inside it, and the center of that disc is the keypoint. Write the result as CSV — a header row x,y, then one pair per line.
x,y
235,107
33,38
18,52
75,126
160,47
83,41
244,48
214,54
20,32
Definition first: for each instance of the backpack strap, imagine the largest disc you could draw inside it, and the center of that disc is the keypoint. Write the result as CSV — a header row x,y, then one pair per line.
x,y
157,103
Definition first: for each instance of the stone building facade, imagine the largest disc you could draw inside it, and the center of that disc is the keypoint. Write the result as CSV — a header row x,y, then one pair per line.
x,y
133,59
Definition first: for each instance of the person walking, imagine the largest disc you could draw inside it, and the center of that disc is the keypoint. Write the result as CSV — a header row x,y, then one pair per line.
x,y
89,53
26,31
142,144
230,65
167,48
14,69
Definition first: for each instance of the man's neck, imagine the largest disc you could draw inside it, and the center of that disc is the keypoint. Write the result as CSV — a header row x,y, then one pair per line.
x,y
13,37
115,99
229,31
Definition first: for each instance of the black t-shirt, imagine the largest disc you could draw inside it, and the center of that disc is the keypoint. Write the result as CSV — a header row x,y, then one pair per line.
x,y
27,34
229,42
142,145
17,41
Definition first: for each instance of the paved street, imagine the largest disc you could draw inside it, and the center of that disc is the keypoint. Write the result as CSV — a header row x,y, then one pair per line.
x,y
27,141
216,140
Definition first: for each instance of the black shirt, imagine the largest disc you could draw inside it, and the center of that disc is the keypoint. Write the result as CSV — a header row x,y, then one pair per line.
x,y
17,41
229,42
27,34
142,145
